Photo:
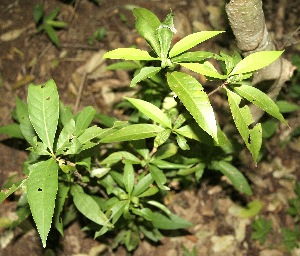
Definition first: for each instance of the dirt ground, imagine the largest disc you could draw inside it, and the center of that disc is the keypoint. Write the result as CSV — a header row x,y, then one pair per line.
x,y
26,56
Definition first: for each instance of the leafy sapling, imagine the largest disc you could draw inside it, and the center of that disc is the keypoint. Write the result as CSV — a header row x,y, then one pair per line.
x,y
168,137
48,23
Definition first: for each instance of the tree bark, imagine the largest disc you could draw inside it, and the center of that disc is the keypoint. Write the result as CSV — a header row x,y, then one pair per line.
x,y
247,21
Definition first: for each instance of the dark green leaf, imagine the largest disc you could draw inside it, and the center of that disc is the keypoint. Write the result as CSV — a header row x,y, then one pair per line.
x,y
234,175
171,222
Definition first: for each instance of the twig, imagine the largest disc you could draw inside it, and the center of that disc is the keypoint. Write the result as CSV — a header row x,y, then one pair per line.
x,y
218,88
80,46
80,92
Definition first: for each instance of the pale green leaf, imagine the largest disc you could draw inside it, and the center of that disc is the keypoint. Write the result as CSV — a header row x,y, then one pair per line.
x,y
196,56
42,185
144,73
165,34
142,185
43,109
62,194
205,69
193,97
23,118
88,206
256,61
12,130
158,176
191,40
286,106
243,121
147,24
120,156
7,192
128,54
133,132
151,111
65,136
171,222
84,118
234,175
260,99
128,178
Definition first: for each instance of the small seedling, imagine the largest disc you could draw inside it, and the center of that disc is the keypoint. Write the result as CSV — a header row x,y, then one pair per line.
x,y
48,23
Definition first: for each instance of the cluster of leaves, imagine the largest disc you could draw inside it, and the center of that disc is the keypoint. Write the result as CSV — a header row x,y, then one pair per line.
x,y
173,136
48,23
261,228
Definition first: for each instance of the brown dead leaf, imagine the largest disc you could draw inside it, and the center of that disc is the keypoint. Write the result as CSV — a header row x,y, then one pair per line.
x,y
12,34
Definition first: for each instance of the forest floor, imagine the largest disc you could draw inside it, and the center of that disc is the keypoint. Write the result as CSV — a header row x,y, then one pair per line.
x,y
30,57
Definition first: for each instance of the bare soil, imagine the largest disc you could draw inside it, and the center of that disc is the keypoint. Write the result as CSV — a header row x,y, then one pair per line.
x,y
28,56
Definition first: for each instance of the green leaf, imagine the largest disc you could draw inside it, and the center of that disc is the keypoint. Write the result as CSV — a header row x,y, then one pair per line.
x,y
124,65
42,185
165,34
196,101
144,73
128,178
158,176
256,61
52,15
171,222
196,56
243,121
261,229
88,206
120,156
51,33
260,99
165,151
6,193
133,132
38,12
182,142
252,209
65,137
128,54
142,185
65,113
287,107
61,197
206,69
192,131
162,137
13,130
234,175
84,118
43,109
151,111
147,24
192,40
25,124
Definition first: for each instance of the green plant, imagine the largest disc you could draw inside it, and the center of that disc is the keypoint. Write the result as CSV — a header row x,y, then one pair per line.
x,y
261,229
116,176
48,23
98,35
294,203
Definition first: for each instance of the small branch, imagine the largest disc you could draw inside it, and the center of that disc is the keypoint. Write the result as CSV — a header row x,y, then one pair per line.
x,y
80,92
218,88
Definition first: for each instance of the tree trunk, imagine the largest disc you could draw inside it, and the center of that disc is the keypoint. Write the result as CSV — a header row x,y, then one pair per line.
x,y
247,21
